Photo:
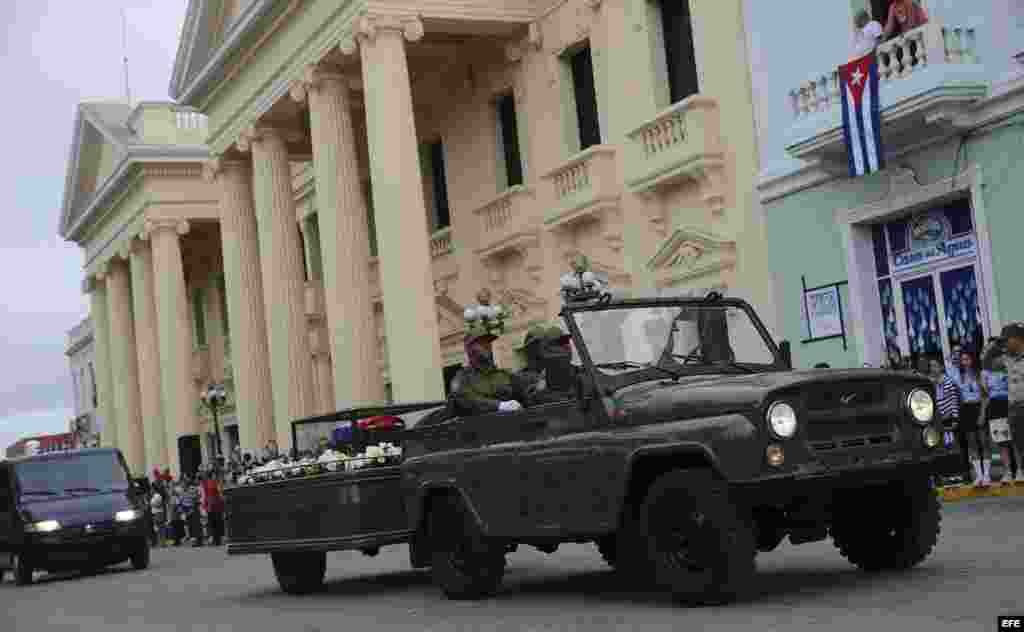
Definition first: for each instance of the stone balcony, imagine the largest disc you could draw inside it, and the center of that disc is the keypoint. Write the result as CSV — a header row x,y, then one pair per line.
x,y
928,81
583,187
681,143
506,222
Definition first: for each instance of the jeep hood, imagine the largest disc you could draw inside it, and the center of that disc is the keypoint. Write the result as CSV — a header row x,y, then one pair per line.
x,y
710,395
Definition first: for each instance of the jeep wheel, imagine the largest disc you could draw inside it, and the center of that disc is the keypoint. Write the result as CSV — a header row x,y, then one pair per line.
x,y
140,559
902,535
465,565
300,573
22,570
697,543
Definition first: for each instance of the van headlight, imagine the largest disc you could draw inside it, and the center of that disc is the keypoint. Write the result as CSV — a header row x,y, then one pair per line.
x,y
921,405
782,420
127,515
46,526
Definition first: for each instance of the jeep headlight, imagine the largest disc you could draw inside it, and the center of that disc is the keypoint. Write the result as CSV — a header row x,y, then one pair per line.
x,y
127,515
782,420
921,405
46,526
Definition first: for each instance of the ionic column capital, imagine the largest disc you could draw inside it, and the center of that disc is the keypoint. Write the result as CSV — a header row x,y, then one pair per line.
x,y
257,133
314,76
216,167
153,226
369,25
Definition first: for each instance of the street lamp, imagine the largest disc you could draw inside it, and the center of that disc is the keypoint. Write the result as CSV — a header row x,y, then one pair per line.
x,y
214,397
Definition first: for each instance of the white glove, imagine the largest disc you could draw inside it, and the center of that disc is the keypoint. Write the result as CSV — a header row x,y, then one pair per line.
x,y
509,407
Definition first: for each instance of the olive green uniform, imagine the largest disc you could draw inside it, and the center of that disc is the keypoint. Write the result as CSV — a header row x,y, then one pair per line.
x,y
479,391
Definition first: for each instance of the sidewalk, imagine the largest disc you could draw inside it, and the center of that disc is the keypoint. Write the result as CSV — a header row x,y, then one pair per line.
x,y
967,491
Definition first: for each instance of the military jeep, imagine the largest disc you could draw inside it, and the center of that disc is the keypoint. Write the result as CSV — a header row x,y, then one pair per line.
x,y
690,445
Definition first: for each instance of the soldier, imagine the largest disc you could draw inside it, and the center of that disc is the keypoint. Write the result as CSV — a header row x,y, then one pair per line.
x,y
549,373
482,387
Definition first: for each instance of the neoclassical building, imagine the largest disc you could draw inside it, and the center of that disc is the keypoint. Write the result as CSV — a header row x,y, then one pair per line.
x,y
81,353
373,165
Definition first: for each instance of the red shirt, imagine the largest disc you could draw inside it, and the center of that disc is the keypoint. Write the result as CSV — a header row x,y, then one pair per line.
x,y
212,496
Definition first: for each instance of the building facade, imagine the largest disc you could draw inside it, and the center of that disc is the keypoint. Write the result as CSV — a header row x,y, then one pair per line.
x,y
372,167
81,349
924,252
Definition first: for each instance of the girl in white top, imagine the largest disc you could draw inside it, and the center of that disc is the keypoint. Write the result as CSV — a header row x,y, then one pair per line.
x,y
865,34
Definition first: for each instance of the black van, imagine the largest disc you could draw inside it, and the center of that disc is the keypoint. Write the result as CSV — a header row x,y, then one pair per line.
x,y
77,510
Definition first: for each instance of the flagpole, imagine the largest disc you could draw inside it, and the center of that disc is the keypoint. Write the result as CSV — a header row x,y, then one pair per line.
x,y
124,49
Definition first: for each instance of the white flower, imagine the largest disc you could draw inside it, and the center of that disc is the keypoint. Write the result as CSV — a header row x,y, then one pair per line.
x,y
498,311
470,314
589,277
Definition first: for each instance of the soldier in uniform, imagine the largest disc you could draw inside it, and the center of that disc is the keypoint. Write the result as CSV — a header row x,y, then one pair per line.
x,y
482,387
549,374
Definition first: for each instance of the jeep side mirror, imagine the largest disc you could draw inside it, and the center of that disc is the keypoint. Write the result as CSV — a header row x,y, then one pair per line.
x,y
787,354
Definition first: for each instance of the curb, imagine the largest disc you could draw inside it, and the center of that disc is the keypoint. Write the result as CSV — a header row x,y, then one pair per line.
x,y
956,493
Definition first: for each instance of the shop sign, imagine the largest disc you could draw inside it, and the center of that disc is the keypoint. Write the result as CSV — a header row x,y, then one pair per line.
x,y
944,249
930,239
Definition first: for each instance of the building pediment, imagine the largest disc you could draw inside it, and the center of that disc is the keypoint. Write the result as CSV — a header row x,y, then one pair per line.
x,y
99,142
690,253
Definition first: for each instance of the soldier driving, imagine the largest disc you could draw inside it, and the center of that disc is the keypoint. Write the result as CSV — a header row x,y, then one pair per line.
x,y
482,387
549,373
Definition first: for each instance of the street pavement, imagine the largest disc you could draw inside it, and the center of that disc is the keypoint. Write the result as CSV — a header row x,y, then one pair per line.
x,y
975,573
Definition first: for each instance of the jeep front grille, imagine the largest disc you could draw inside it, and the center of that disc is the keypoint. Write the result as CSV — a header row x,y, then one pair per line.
x,y
845,396
855,442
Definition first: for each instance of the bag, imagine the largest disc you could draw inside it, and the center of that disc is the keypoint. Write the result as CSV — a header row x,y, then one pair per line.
x,y
1000,429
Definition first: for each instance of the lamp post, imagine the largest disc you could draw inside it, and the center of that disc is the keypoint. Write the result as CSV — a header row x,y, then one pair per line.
x,y
214,397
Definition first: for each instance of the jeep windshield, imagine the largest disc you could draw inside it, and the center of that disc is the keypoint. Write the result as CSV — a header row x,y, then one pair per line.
x,y
77,474
674,340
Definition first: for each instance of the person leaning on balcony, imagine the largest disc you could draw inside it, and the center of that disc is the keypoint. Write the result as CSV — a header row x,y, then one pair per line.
x,y
865,34
904,15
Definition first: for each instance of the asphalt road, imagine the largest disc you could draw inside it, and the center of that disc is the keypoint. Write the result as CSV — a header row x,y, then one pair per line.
x,y
976,572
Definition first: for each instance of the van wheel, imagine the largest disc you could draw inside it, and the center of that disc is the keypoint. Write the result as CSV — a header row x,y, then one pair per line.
x,y
140,559
606,547
23,571
697,543
465,565
300,573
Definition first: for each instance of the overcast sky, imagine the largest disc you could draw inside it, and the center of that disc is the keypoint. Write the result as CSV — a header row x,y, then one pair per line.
x,y
53,55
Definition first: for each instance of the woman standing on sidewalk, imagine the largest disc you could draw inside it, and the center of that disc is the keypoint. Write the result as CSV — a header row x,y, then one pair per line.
x,y
997,412
213,505
973,396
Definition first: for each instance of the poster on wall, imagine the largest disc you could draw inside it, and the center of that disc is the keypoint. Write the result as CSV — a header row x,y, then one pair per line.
x,y
822,311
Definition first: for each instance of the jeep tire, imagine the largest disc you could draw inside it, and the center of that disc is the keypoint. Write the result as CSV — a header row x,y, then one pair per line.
x,y
300,573
693,539
465,565
902,533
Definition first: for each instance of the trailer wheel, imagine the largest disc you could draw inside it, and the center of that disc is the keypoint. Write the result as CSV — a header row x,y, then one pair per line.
x,y
606,546
697,543
465,565
300,573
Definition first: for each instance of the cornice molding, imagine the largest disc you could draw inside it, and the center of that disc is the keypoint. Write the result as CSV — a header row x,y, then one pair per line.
x,y
989,115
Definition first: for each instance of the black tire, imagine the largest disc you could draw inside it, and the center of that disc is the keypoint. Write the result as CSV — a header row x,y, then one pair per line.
x,y
608,549
300,573
695,542
23,571
903,533
2,573
140,559
464,564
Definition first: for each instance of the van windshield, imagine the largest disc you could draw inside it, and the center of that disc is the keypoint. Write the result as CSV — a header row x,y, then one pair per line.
x,y
84,473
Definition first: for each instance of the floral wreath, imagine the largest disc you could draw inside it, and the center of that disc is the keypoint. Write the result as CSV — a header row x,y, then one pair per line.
x,y
582,284
485,319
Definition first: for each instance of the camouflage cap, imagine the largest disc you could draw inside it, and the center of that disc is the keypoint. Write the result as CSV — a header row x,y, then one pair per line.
x,y
478,330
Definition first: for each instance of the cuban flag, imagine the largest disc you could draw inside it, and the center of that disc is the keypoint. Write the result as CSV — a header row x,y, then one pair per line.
x,y
862,122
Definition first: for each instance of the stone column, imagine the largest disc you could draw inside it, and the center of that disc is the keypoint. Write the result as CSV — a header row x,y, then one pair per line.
x,y
344,238
147,343
124,366
284,284
320,350
174,325
407,284
104,379
215,340
243,281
